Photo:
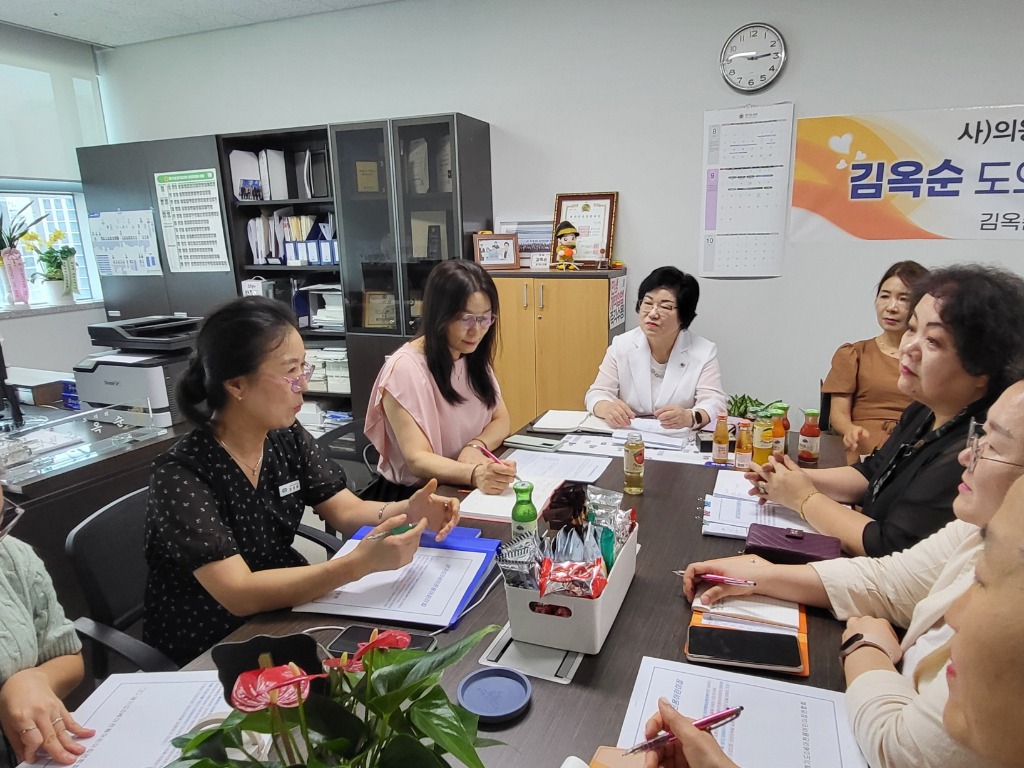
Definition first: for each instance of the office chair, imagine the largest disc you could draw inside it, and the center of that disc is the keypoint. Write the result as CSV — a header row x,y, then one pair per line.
x,y
108,555
825,409
348,446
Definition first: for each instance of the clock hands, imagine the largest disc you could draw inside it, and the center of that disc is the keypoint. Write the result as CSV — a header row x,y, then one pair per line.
x,y
749,55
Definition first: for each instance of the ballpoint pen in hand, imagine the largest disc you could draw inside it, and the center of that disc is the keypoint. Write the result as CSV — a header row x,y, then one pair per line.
x,y
714,577
492,457
704,724
398,530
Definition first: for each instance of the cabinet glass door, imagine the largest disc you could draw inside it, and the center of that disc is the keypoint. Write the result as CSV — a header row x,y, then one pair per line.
x,y
426,191
366,240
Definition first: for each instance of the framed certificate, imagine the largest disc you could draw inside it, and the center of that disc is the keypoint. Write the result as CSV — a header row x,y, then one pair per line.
x,y
379,310
592,216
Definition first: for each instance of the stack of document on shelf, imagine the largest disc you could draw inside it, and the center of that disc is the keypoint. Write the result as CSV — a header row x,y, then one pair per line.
x,y
730,510
432,589
546,471
782,724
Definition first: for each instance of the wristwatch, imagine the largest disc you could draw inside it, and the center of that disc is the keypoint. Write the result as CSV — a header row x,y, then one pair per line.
x,y
698,422
857,640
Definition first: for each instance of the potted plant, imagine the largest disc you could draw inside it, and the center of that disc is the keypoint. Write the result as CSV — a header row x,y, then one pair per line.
x,y
381,707
10,257
55,266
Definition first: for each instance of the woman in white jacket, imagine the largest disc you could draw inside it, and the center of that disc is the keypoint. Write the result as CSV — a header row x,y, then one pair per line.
x,y
894,706
660,368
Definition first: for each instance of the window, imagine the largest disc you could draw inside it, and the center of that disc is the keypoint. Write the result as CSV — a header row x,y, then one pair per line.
x,y
63,212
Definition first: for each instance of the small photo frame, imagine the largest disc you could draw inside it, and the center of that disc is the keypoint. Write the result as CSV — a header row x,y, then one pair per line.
x,y
592,215
496,251
379,310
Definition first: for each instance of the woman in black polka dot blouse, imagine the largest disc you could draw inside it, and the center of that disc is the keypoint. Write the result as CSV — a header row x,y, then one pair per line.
x,y
225,501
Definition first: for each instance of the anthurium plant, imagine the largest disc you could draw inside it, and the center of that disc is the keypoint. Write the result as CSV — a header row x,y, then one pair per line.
x,y
382,707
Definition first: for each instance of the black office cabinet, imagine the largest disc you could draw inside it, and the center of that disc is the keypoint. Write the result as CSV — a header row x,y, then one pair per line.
x,y
120,177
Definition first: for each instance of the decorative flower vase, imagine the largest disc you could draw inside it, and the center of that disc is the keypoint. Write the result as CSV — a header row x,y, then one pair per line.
x,y
17,282
5,295
54,291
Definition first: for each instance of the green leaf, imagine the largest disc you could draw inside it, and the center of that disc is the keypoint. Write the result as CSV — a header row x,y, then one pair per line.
x,y
406,752
435,717
395,683
328,717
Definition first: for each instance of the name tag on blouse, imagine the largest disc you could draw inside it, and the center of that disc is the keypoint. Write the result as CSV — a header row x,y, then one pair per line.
x,y
289,488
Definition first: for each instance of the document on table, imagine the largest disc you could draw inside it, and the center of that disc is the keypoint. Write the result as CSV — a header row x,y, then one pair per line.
x,y
733,485
545,470
139,714
604,445
752,608
429,590
782,724
731,517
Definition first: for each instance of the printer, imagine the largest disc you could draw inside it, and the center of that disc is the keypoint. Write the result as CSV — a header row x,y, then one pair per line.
x,y
137,378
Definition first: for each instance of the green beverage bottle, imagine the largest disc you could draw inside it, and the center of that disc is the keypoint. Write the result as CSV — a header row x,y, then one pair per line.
x,y
524,514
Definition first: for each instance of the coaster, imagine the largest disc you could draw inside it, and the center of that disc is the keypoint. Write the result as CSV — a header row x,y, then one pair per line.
x,y
538,661
495,695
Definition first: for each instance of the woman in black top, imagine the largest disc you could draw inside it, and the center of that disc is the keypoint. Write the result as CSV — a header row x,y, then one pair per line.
x,y
964,345
225,501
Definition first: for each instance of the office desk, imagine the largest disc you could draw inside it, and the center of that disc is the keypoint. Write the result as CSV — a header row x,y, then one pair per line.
x,y
579,717
55,503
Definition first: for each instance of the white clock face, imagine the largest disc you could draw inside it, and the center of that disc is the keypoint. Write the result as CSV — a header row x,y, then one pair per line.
x,y
752,57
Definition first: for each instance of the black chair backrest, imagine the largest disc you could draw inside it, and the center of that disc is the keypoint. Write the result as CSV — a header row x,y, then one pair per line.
x,y
348,446
107,552
825,409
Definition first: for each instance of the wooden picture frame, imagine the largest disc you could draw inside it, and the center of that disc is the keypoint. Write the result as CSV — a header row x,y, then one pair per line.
x,y
535,236
593,215
496,251
379,310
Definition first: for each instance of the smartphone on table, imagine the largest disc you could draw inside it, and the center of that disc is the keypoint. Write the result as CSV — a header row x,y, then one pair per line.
x,y
760,650
350,638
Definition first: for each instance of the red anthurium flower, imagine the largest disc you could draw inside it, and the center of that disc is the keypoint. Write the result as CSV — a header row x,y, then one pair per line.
x,y
389,638
282,686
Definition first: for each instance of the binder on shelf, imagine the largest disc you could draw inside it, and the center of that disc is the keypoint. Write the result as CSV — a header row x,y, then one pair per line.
x,y
273,174
245,174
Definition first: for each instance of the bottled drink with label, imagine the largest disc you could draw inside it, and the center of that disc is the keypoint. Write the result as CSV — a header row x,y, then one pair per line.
x,y
778,431
762,437
720,442
744,446
784,407
524,514
633,464
810,440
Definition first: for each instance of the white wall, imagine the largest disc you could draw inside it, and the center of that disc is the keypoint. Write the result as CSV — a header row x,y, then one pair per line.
x,y
53,342
593,95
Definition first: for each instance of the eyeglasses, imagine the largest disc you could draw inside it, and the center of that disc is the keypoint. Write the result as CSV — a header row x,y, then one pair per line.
x,y
975,433
484,321
9,516
647,306
302,379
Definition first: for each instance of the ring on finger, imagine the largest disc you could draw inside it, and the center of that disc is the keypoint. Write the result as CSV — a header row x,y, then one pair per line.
x,y
58,720
762,487
26,730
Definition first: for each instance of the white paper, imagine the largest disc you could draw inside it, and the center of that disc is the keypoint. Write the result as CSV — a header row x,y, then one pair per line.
x,y
782,724
124,243
137,715
426,591
620,436
190,218
732,517
733,485
598,445
571,421
754,608
746,173
728,622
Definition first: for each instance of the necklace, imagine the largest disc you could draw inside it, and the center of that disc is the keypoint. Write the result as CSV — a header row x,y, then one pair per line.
x,y
883,345
254,468
656,373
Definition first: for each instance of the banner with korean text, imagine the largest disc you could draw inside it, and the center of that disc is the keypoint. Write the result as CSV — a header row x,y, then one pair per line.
x,y
918,175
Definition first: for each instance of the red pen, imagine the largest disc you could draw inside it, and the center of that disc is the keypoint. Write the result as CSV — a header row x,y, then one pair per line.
x,y
704,724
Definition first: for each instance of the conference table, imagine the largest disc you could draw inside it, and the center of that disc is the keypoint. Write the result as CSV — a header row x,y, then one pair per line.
x,y
577,718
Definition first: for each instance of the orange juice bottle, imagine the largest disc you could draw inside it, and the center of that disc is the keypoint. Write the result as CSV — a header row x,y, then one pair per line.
x,y
778,431
762,438
720,442
744,446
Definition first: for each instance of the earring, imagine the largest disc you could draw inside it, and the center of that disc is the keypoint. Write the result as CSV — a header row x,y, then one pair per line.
x,y
239,398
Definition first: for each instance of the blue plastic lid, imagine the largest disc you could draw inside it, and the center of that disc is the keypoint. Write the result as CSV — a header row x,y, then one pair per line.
x,y
495,694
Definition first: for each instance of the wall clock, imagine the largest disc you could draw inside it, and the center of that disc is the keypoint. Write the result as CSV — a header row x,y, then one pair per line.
x,y
753,57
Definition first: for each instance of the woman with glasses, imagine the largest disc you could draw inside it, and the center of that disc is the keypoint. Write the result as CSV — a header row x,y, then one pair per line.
x,y
436,409
661,368
866,402
964,344
226,500
894,696
40,656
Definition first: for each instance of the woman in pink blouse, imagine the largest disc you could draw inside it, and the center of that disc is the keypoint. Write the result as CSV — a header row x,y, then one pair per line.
x,y
435,402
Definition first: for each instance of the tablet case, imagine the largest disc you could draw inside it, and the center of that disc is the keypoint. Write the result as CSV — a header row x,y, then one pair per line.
x,y
789,546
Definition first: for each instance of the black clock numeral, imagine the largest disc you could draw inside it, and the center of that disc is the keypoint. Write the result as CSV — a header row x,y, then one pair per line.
x,y
771,68
775,55
753,33
763,78
750,82
773,43
732,48
739,80
732,72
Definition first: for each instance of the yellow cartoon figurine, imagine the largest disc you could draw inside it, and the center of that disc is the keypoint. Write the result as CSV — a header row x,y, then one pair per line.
x,y
565,245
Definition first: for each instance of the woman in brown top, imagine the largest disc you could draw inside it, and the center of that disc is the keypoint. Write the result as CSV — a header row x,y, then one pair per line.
x,y
866,403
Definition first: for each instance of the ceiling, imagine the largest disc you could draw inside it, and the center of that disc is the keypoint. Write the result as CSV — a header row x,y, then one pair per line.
x,y
111,23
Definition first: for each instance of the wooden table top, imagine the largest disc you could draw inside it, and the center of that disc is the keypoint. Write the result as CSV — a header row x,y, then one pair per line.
x,y
579,717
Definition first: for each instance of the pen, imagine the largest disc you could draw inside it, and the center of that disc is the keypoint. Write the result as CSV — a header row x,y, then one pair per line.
x,y
491,456
726,580
704,724
396,531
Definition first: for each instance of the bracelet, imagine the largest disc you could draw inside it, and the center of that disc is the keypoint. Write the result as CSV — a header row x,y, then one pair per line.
x,y
800,509
380,512
476,441
857,641
472,474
